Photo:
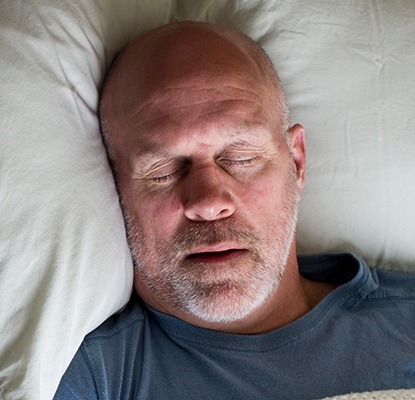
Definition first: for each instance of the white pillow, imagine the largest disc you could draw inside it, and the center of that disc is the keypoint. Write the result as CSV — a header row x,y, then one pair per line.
x,y
349,73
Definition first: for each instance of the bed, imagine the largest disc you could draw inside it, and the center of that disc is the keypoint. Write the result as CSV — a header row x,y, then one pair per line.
x,y
348,69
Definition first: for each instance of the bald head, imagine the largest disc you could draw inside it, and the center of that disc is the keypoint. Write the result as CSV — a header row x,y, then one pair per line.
x,y
167,63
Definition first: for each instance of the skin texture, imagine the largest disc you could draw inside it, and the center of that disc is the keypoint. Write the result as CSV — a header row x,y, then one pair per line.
x,y
209,178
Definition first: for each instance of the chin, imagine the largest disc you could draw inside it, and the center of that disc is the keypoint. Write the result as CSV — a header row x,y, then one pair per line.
x,y
227,303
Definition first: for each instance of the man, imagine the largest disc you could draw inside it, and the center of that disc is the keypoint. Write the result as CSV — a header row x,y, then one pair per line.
x,y
209,173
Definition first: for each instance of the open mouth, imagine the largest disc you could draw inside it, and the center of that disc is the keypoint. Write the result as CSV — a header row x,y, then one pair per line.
x,y
216,256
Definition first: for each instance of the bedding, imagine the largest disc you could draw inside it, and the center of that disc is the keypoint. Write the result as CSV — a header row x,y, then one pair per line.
x,y
377,395
349,73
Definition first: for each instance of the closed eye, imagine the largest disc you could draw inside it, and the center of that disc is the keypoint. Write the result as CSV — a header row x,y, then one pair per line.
x,y
169,170
166,177
240,161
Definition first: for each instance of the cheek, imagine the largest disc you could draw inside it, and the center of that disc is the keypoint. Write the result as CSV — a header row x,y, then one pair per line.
x,y
259,191
264,198
158,216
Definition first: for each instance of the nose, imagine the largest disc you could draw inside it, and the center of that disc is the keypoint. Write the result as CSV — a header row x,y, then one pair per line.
x,y
207,196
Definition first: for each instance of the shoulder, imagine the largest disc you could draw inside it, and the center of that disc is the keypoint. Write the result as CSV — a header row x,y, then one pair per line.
x,y
118,341
358,285
130,319
108,356
350,270
393,285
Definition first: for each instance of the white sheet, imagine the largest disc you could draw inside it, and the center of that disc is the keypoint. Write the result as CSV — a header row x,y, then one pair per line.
x,y
349,72
408,394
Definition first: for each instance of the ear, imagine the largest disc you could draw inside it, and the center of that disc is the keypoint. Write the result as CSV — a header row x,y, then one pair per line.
x,y
296,140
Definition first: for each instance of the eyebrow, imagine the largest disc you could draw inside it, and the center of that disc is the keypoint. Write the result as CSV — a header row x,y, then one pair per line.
x,y
148,159
153,154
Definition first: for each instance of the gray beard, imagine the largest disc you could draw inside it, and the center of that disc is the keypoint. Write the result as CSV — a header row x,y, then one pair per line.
x,y
192,288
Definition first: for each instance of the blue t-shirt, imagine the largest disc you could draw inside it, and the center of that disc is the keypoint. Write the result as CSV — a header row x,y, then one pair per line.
x,y
360,337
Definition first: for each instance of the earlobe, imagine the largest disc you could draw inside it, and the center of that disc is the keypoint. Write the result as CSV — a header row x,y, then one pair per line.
x,y
296,137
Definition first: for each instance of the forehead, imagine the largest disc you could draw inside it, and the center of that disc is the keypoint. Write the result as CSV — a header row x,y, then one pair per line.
x,y
199,137
224,103
197,114
196,91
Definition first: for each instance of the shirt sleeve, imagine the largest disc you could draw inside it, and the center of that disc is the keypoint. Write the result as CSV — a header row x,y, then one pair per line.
x,y
78,382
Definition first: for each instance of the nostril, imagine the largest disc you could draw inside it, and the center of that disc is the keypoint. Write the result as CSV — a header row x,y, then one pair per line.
x,y
202,212
207,197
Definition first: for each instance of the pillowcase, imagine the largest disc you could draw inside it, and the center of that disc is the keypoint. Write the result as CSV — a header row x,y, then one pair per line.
x,y
349,74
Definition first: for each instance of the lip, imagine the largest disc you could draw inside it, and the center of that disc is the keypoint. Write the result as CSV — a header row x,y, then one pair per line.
x,y
216,247
215,254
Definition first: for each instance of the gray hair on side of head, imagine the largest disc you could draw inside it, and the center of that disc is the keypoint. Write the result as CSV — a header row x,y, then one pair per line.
x,y
103,119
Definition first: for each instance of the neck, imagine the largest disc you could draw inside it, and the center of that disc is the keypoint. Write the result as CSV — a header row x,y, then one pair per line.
x,y
293,298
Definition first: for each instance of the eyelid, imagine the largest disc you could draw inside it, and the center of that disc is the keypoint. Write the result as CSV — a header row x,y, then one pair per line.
x,y
166,177
240,154
241,160
168,171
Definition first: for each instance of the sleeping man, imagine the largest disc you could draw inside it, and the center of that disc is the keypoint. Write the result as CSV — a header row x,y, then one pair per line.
x,y
210,172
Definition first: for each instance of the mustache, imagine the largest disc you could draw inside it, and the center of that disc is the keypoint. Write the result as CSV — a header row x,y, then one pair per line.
x,y
214,233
